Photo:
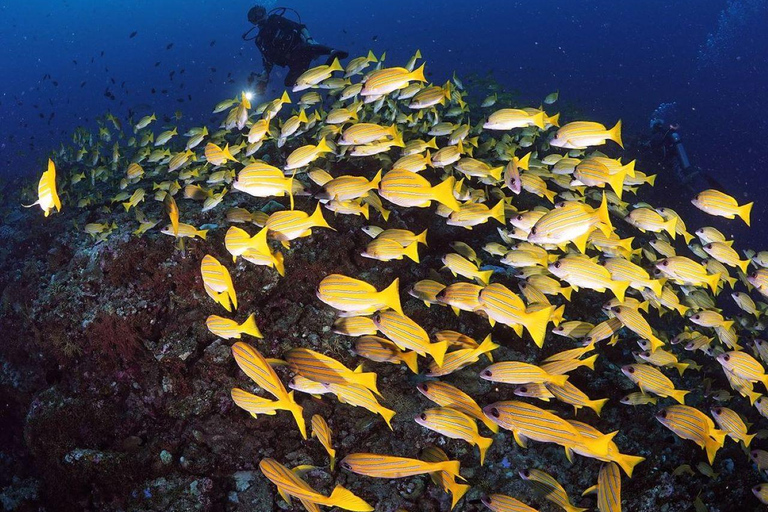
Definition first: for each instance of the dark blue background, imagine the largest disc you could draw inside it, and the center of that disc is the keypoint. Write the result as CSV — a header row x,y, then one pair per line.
x,y
610,59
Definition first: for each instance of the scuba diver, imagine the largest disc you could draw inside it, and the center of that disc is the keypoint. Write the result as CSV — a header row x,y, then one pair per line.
x,y
666,141
285,43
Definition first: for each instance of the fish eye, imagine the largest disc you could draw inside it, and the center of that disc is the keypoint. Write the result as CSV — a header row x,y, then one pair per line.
x,y
753,275
423,416
519,217
645,354
717,410
557,264
631,369
726,358
377,318
523,389
616,309
533,230
425,387
346,465
495,412
487,373
588,339
523,285
696,317
526,473
664,263
708,246
753,454
663,414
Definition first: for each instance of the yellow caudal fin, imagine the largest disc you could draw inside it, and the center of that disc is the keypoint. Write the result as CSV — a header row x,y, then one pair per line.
x,y
549,194
615,134
597,405
748,439
590,490
656,286
670,226
711,446
387,414
523,162
411,360
289,189
566,292
484,276
713,280
365,209
495,173
432,143
483,443
437,350
590,361
743,265
422,237
227,154
449,466
371,57
558,380
536,324
127,206
323,147
374,183
619,288
628,462
538,120
443,194
335,65
250,327
303,117
581,242
298,415
285,98
744,212
346,500
457,492
681,367
202,233
390,296
554,120
278,260
605,219
616,181
417,74
679,395
727,324
600,445
412,252
317,219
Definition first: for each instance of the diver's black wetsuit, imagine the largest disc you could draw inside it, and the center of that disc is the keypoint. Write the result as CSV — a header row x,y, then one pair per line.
x,y
284,42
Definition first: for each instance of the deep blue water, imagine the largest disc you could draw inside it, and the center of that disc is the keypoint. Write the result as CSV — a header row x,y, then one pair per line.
x,y
608,59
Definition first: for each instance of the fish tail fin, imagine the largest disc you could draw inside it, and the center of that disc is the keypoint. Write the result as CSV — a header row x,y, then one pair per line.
x,y
422,237
566,292
713,280
437,350
600,444
451,467
457,492
486,346
298,415
202,233
597,405
367,380
748,439
289,189
670,225
344,499
127,206
495,173
227,154
365,209
615,134
539,120
554,120
523,162
616,181
619,288
656,286
679,395
602,214
371,57
387,414
484,276
443,193
279,261
687,236
250,327
432,143
590,362
536,324
628,463
417,74
323,146
335,65
376,180
558,380
711,446
317,218
411,360
744,212
390,296
743,265
483,443
681,367
549,194
412,252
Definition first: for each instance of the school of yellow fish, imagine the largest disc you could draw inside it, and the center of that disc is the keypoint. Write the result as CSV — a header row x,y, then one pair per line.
x,y
422,149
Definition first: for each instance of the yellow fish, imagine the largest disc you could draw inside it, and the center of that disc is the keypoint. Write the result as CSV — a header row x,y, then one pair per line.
x,y
717,203
47,197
